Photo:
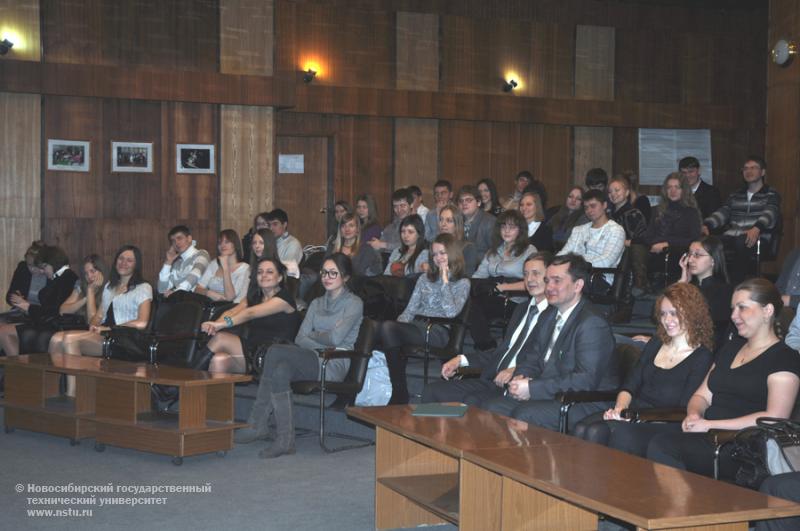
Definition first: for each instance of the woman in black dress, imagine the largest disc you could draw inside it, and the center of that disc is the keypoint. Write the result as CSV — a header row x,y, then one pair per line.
x,y
673,364
755,375
270,311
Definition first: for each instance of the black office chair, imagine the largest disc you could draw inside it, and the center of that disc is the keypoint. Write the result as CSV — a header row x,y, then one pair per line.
x,y
347,389
458,330
618,296
626,357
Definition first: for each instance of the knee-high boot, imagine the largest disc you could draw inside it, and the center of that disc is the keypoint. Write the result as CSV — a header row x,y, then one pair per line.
x,y
284,439
259,417
396,363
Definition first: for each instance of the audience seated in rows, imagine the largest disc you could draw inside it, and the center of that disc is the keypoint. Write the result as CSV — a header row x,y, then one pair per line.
x,y
227,276
755,375
332,321
441,292
269,311
184,263
672,366
747,215
126,301
497,366
499,272
600,242
572,351
61,282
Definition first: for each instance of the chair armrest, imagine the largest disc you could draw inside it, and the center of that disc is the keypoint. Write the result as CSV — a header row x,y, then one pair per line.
x,y
721,437
574,397
469,372
656,414
437,320
332,354
162,338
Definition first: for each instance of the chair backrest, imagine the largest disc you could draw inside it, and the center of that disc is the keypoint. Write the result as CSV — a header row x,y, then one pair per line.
x,y
179,317
367,335
623,280
458,330
627,356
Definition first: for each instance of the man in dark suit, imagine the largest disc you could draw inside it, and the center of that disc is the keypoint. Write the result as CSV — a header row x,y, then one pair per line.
x,y
574,350
497,364
707,195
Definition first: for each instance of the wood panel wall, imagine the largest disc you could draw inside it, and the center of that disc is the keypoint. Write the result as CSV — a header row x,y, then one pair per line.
x,y
20,181
98,211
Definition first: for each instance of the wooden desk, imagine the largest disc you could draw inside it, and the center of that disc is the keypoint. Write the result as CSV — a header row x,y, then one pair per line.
x,y
417,461
566,487
112,404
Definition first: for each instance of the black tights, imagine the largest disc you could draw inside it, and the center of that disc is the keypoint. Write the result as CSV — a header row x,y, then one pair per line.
x,y
394,335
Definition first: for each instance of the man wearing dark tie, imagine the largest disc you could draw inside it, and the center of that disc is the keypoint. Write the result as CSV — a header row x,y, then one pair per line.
x,y
497,364
574,350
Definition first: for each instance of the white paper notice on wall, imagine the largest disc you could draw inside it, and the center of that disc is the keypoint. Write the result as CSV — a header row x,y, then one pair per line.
x,y
291,163
661,149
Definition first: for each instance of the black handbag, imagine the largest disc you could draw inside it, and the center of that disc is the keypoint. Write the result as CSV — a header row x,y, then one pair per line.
x,y
770,448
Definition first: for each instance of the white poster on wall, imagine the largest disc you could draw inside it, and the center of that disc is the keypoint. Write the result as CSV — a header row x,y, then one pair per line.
x,y
661,149
291,163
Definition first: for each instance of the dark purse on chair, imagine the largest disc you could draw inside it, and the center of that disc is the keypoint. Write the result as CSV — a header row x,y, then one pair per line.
x,y
770,448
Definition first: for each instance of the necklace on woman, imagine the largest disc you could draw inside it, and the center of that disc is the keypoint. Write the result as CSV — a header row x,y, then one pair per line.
x,y
748,353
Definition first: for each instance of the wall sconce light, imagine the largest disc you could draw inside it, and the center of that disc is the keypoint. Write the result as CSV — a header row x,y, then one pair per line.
x,y
309,75
510,85
5,46
783,52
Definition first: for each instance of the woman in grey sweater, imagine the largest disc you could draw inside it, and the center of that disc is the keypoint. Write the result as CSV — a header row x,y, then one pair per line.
x,y
441,292
332,321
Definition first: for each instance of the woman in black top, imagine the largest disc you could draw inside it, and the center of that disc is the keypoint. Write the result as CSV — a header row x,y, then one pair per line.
x,y
540,235
270,311
259,222
704,266
53,261
635,224
490,201
675,224
27,279
567,217
669,370
755,375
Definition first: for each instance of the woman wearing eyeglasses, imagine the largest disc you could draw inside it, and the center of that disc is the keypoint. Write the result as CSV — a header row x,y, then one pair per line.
x,y
441,292
332,321
704,266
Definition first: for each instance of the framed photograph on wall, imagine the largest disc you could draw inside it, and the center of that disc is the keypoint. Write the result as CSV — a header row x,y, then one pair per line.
x,y
194,158
68,155
132,157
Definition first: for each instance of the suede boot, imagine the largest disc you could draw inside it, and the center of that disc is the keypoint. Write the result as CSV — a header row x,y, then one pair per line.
x,y
258,419
284,440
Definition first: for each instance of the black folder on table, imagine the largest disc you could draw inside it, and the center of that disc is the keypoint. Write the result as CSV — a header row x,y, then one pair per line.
x,y
434,409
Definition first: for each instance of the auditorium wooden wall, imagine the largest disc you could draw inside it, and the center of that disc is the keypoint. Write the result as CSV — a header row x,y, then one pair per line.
x,y
409,91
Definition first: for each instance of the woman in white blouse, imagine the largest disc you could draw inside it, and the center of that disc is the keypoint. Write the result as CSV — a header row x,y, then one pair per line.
x,y
227,277
126,301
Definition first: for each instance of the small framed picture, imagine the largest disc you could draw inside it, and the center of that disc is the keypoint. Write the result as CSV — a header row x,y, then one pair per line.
x,y
194,158
132,157
68,155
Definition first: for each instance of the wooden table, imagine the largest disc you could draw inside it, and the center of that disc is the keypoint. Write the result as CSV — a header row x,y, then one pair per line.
x,y
417,460
566,487
112,404
485,472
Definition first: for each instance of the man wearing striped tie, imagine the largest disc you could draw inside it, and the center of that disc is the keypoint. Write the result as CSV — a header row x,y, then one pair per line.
x,y
573,351
497,364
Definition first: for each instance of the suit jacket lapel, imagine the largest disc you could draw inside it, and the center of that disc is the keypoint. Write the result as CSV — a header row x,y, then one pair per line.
x,y
566,331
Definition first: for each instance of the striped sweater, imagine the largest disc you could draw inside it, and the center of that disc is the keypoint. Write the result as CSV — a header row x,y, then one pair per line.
x,y
738,214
